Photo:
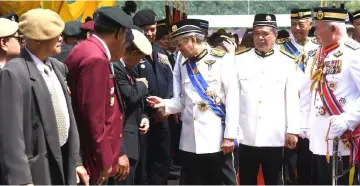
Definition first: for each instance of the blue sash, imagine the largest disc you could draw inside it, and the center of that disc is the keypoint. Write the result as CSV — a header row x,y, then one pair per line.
x,y
200,86
290,48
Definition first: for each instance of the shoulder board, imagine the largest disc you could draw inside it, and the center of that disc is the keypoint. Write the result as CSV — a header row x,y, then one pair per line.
x,y
217,52
283,40
242,50
352,44
314,40
283,50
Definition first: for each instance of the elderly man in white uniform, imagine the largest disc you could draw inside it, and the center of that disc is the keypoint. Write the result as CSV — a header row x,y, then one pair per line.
x,y
334,109
269,109
210,124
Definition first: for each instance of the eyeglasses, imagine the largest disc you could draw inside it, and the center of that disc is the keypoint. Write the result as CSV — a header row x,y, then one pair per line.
x,y
19,38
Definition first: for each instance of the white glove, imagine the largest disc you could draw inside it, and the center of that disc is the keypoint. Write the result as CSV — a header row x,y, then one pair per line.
x,y
338,126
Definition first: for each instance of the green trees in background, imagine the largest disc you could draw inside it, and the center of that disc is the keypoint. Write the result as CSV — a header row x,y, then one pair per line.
x,y
238,7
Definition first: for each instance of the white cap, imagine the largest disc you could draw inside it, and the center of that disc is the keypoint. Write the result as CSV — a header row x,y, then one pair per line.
x,y
8,27
141,42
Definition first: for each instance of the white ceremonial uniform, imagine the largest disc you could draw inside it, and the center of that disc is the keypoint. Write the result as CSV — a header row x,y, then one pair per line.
x,y
269,98
177,75
202,131
346,89
308,49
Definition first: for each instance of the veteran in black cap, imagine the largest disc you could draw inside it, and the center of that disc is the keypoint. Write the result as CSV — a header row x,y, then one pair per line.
x,y
72,35
157,71
11,16
207,138
336,64
97,103
263,144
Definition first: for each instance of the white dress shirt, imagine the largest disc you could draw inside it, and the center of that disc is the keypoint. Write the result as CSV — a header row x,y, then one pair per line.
x,y
53,80
269,98
202,131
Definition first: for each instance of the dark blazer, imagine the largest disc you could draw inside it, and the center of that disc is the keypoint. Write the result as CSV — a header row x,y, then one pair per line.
x,y
97,106
133,96
29,144
159,77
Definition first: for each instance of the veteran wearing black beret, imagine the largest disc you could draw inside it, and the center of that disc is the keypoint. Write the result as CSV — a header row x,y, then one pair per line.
x,y
157,71
97,103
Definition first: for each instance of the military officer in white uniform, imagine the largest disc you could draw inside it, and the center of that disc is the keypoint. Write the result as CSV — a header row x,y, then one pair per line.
x,y
209,103
269,109
297,162
335,83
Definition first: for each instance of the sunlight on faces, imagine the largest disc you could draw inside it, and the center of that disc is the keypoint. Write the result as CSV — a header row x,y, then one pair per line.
x,y
300,28
323,33
264,38
51,46
150,32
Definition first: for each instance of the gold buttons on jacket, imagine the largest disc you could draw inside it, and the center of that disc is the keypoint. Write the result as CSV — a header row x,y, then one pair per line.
x,y
195,118
120,135
121,117
259,101
259,117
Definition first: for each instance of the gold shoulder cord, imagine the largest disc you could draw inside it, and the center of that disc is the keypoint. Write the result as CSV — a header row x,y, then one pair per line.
x,y
318,75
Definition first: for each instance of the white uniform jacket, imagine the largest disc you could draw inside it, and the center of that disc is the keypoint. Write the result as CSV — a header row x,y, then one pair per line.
x,y
343,65
269,98
202,131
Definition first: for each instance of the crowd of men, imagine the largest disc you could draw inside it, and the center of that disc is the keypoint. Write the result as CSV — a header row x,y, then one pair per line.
x,y
123,97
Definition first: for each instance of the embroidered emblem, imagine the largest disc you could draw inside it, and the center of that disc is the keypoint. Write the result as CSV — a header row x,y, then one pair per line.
x,y
320,15
301,14
217,52
203,106
268,18
13,18
112,101
342,101
242,49
338,54
209,63
312,53
332,85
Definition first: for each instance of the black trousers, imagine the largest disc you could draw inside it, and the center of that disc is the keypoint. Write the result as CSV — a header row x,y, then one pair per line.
x,y
304,156
297,164
140,172
175,132
158,154
130,180
207,169
270,159
321,173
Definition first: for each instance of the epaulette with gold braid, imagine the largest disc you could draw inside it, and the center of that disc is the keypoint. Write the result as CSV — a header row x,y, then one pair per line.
x,y
283,50
217,52
242,49
283,40
352,44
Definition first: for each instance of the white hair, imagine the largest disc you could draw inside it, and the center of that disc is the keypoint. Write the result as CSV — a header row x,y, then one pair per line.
x,y
340,26
200,38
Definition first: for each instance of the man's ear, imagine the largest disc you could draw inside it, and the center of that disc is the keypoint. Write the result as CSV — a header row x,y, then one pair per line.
x,y
3,45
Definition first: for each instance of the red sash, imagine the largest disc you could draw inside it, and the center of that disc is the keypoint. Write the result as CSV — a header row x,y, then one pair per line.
x,y
351,139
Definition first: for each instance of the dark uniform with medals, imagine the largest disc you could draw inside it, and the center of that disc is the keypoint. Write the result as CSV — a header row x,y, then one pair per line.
x,y
157,70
